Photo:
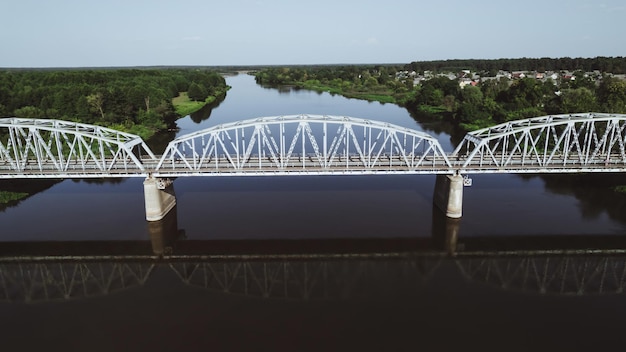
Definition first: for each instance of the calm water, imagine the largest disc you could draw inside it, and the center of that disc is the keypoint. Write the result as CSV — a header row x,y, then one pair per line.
x,y
410,297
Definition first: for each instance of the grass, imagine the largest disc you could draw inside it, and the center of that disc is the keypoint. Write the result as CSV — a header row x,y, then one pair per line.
x,y
185,106
379,98
431,109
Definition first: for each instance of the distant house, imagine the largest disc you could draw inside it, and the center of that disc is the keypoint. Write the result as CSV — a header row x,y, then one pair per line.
x,y
621,76
467,82
518,75
504,74
451,76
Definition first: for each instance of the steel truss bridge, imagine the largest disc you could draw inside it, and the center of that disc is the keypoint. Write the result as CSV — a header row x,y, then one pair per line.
x,y
313,145
308,279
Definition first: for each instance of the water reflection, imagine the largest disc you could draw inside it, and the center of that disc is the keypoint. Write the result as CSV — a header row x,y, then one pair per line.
x,y
34,282
205,113
594,191
31,187
561,275
435,124
330,269
307,278
281,89
165,233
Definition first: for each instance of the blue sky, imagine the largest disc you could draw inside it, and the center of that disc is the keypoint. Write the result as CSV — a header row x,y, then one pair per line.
x,y
86,33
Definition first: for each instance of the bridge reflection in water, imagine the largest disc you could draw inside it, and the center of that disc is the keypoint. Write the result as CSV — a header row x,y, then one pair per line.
x,y
312,270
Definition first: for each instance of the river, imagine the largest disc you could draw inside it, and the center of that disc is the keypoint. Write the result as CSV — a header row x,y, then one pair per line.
x,y
312,207
270,292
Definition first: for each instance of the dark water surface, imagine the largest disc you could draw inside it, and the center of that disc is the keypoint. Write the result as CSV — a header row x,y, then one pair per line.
x,y
315,263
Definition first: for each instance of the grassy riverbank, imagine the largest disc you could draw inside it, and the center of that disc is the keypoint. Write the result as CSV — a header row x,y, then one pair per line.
x,y
382,94
183,105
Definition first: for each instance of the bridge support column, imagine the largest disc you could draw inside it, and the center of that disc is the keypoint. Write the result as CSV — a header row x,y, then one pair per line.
x,y
448,195
159,197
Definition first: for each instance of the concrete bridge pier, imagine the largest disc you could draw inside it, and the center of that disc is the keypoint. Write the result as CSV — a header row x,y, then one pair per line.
x,y
448,195
159,197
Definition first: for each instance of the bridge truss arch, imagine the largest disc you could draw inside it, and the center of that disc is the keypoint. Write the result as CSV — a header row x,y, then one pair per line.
x,y
47,148
303,144
588,142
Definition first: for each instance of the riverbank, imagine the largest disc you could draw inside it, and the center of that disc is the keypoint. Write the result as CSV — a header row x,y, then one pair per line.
x,y
184,106
380,95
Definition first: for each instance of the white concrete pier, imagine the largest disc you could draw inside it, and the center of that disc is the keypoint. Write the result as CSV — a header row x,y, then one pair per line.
x,y
448,195
159,197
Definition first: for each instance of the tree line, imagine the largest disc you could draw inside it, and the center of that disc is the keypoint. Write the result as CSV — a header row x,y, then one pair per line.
x,y
616,65
488,102
370,82
497,101
134,100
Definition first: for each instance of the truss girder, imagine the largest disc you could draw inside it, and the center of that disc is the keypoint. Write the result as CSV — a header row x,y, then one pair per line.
x,y
313,145
556,143
303,144
54,148
566,275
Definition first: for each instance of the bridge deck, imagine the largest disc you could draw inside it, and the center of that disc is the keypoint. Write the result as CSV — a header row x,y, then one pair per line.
x,y
310,165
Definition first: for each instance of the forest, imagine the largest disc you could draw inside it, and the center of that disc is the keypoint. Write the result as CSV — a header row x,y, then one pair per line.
x,y
486,103
616,65
139,101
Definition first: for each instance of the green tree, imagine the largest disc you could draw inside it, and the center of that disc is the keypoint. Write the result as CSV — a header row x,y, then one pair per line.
x,y
523,93
29,112
472,95
197,92
370,82
96,102
611,95
449,102
578,100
